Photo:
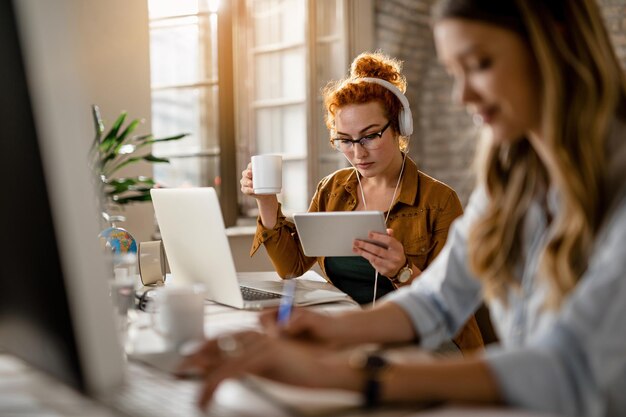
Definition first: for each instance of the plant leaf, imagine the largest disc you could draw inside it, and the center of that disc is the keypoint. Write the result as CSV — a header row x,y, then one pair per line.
x,y
168,139
109,140
142,138
128,190
155,159
118,141
134,180
129,129
97,122
121,185
148,158
123,164
134,198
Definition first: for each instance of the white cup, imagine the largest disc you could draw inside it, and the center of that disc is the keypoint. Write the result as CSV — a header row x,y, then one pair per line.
x,y
267,174
178,315
122,290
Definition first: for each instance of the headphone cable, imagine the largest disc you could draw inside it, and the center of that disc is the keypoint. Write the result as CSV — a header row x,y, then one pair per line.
x,y
388,210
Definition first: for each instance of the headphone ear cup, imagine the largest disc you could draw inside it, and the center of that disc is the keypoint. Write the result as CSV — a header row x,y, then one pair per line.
x,y
405,122
405,118
401,122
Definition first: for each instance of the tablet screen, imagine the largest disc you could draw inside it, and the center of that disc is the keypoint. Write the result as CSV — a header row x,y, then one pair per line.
x,y
333,233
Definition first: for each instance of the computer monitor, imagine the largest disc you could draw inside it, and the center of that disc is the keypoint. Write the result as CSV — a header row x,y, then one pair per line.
x,y
54,309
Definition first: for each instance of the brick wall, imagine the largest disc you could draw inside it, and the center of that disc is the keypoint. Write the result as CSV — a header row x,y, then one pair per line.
x,y
443,142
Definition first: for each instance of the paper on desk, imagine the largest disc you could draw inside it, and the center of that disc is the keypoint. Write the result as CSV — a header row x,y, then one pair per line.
x,y
311,293
304,401
311,288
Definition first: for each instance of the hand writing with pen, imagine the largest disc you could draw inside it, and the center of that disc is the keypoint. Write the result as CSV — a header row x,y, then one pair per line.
x,y
293,361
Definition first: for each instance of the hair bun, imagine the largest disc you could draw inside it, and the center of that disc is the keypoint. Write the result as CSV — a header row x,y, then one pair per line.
x,y
378,65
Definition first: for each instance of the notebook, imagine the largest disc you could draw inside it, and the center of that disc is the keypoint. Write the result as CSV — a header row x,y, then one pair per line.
x,y
194,237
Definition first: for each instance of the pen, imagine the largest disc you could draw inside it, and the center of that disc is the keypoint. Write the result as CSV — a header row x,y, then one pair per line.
x,y
286,302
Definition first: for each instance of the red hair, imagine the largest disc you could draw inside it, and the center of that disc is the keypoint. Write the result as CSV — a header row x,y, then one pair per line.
x,y
352,91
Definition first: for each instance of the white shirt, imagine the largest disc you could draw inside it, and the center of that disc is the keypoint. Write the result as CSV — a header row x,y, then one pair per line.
x,y
569,361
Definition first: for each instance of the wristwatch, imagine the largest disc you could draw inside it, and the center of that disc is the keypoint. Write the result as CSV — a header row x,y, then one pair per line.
x,y
404,274
372,365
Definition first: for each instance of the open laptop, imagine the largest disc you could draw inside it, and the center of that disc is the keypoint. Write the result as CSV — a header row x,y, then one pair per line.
x,y
193,233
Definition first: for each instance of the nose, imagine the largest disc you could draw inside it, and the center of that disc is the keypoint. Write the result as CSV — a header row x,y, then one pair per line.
x,y
463,92
358,150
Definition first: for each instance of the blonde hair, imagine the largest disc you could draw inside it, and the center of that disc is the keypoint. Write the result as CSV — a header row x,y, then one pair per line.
x,y
583,90
350,91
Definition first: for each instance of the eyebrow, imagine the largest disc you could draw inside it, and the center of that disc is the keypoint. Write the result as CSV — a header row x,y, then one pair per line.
x,y
471,49
365,129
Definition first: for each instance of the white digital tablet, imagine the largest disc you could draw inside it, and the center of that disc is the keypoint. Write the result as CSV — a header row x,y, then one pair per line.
x,y
332,233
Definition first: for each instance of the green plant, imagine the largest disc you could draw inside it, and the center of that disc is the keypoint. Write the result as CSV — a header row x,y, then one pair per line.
x,y
117,149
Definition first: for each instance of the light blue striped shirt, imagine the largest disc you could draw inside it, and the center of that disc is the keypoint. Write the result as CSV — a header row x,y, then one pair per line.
x,y
569,361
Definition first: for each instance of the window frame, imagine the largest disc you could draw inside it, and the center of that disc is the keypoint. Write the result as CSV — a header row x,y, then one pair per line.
x,y
356,35
224,152
235,129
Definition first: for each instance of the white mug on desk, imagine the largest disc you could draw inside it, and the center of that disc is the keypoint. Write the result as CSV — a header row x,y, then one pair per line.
x,y
178,315
267,174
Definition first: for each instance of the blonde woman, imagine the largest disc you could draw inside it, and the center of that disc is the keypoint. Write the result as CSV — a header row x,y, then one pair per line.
x,y
543,238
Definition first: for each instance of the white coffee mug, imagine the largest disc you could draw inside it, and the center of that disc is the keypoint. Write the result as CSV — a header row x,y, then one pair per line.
x,y
178,315
267,174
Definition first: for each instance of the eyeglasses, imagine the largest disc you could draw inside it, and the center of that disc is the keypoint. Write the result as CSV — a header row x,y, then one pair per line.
x,y
369,142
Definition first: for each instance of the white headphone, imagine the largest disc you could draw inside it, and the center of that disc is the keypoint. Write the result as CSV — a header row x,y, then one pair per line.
x,y
405,118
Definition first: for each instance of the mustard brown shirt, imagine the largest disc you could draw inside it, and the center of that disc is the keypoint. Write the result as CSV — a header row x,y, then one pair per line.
x,y
420,218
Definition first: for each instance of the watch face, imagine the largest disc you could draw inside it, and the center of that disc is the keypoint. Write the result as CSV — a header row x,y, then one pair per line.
x,y
404,275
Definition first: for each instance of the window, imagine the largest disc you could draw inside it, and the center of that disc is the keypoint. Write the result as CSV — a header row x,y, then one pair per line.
x,y
286,51
191,87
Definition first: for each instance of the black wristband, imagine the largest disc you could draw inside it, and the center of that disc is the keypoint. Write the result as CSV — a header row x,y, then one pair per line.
x,y
374,364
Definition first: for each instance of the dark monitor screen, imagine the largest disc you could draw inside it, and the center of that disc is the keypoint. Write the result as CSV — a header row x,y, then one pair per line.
x,y
35,322
35,316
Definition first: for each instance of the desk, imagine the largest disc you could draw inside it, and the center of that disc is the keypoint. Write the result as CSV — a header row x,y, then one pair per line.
x,y
27,392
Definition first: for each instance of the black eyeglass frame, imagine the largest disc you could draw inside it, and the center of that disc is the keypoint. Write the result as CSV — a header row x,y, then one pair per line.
x,y
336,142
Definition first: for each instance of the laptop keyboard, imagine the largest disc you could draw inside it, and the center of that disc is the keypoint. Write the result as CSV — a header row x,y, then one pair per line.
x,y
252,294
155,394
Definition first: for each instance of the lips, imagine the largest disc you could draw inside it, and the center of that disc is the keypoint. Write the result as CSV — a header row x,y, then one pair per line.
x,y
364,165
487,114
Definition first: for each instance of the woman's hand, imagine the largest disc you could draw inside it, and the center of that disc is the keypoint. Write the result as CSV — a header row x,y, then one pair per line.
x,y
347,328
309,326
268,204
246,181
386,254
286,361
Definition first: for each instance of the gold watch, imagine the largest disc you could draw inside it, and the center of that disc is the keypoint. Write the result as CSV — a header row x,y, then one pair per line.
x,y
405,273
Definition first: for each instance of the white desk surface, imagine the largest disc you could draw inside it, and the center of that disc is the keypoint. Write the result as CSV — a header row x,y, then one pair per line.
x,y
26,392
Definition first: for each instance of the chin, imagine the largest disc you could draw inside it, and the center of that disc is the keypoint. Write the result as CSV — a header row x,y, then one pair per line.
x,y
501,135
366,174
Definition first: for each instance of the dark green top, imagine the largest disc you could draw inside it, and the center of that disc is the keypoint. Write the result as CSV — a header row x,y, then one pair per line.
x,y
354,275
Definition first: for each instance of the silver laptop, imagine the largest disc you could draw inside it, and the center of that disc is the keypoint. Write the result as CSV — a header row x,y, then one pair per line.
x,y
193,233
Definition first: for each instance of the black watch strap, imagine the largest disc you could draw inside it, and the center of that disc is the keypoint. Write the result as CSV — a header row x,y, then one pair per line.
x,y
373,366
